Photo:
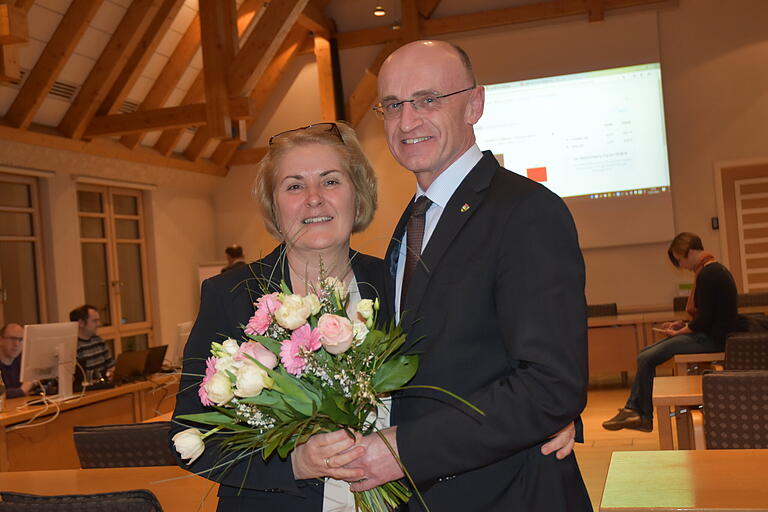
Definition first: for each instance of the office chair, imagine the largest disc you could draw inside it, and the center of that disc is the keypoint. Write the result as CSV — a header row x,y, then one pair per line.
x,y
139,500
131,445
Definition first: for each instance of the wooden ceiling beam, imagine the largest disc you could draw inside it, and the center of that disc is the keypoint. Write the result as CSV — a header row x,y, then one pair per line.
x,y
106,148
596,10
313,18
172,72
262,44
110,63
141,55
168,140
265,88
10,69
13,25
24,5
248,156
411,21
162,118
485,19
325,82
361,99
427,7
50,63
219,40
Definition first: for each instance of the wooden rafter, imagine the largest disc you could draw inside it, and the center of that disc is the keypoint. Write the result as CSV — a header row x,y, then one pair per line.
x,y
168,140
262,44
596,10
219,39
427,7
105,148
266,86
254,57
485,19
13,24
141,55
170,75
313,18
411,22
108,67
51,62
181,116
363,96
325,82
10,69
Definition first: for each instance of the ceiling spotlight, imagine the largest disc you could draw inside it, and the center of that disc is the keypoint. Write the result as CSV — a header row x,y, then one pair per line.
x,y
379,11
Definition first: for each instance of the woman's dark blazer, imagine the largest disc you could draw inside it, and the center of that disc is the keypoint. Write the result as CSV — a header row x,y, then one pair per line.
x,y
227,302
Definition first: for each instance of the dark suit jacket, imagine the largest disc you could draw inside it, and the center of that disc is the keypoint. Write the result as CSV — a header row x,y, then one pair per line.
x,y
226,302
498,311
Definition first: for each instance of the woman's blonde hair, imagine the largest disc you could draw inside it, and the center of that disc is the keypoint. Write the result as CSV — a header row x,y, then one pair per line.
x,y
340,136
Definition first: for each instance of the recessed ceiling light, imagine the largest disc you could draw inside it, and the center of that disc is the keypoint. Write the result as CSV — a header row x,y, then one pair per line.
x,y
379,11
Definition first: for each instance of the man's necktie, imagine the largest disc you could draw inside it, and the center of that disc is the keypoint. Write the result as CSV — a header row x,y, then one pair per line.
x,y
414,239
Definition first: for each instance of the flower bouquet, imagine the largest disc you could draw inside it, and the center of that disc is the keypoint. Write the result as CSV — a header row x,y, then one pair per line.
x,y
304,367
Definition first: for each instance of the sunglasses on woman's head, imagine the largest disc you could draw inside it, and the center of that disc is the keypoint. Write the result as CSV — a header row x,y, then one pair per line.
x,y
331,128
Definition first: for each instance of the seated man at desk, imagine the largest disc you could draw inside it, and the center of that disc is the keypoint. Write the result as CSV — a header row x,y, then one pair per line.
x,y
11,338
93,354
712,307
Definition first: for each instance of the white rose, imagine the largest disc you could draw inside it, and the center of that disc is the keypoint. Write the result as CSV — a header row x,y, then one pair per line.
x,y
293,313
365,310
251,380
313,303
230,346
189,443
360,331
219,388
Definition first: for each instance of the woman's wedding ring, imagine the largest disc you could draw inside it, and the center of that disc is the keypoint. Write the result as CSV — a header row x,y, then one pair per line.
x,y
328,462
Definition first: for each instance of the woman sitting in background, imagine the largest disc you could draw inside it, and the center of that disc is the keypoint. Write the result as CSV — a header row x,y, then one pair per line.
x,y
712,306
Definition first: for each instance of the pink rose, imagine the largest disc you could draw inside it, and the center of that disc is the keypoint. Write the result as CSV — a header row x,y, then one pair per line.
x,y
270,303
257,351
336,333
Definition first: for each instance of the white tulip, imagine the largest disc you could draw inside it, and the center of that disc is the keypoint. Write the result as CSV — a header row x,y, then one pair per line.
x,y
189,443
313,303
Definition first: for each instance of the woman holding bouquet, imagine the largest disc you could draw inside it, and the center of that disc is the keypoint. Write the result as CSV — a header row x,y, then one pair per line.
x,y
315,188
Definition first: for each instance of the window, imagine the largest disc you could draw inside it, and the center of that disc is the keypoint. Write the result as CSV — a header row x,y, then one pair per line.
x,y
22,294
113,243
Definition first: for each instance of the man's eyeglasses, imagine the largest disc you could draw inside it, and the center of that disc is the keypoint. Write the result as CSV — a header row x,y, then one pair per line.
x,y
331,128
426,104
14,338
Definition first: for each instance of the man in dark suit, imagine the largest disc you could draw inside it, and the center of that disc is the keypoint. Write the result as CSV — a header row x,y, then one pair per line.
x,y
495,304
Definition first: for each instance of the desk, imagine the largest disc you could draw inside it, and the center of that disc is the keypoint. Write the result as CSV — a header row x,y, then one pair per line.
x,y
671,392
183,495
51,446
700,480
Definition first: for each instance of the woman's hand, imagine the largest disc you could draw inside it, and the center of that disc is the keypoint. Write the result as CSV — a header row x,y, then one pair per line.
x,y
673,326
326,455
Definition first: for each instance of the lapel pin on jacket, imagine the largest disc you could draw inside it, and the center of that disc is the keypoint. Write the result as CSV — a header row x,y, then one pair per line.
x,y
464,207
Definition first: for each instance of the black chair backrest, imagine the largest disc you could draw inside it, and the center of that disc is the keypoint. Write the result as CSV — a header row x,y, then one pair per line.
x,y
679,303
753,299
747,351
734,409
131,445
602,310
139,500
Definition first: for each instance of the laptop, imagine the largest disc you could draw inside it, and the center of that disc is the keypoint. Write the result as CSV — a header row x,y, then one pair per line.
x,y
129,366
155,358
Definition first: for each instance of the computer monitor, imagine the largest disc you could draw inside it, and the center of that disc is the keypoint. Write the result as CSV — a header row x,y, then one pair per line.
x,y
182,334
50,352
